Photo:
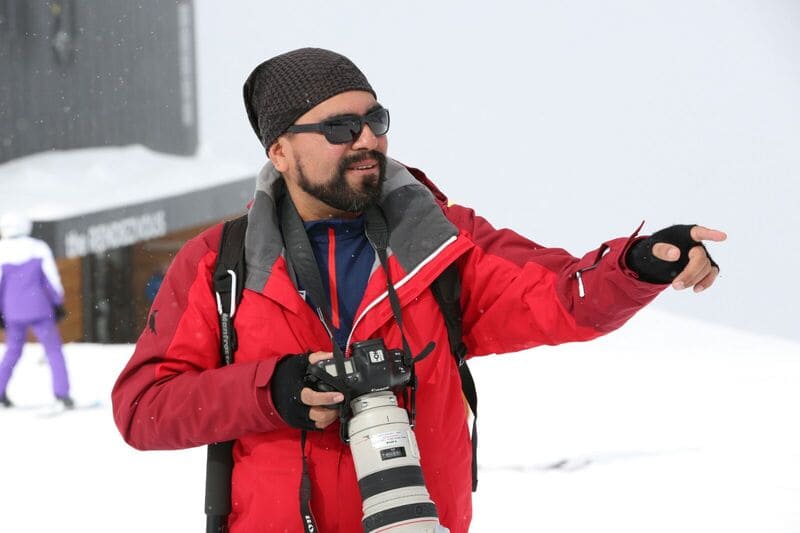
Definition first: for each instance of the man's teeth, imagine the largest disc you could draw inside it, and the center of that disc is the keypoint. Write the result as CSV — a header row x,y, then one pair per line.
x,y
365,167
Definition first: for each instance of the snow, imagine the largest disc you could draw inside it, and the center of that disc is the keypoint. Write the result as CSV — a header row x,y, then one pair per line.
x,y
670,424
60,184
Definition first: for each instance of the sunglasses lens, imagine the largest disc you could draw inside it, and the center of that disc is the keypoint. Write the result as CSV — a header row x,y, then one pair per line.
x,y
343,131
378,121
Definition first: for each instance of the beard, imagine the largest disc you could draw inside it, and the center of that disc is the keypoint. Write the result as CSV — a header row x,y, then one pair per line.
x,y
337,193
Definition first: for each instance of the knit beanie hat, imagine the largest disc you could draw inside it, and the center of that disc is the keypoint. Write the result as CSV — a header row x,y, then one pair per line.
x,y
280,90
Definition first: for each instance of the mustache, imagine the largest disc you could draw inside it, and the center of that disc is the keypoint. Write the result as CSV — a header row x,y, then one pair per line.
x,y
364,156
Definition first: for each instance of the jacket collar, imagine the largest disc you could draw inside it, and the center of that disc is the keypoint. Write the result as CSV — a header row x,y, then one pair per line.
x,y
417,225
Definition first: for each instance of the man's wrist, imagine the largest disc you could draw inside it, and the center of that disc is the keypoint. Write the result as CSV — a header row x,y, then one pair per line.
x,y
285,387
648,267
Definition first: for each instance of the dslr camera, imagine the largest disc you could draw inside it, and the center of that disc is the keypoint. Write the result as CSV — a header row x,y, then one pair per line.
x,y
383,444
370,368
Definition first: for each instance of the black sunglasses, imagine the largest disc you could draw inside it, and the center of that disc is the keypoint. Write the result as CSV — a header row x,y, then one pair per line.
x,y
347,128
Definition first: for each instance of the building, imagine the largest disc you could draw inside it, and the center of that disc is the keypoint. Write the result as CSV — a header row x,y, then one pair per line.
x,y
111,252
96,73
99,93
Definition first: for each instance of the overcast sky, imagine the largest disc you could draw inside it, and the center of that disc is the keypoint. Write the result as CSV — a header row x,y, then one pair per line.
x,y
570,122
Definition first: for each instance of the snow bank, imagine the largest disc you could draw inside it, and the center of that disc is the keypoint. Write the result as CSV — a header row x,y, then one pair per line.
x,y
667,425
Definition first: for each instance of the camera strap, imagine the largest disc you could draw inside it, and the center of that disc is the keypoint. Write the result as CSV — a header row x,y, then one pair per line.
x,y
301,261
309,524
377,231
446,289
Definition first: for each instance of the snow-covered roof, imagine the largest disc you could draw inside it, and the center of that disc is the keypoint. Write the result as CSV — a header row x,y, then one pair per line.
x,y
60,184
91,200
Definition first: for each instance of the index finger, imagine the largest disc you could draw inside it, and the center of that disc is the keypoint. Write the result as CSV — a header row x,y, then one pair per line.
x,y
702,233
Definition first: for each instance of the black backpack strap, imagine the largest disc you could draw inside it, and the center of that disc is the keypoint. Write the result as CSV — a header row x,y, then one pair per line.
x,y
228,286
229,282
447,291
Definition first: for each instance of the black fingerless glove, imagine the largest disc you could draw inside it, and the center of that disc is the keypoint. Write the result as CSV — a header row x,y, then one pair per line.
x,y
59,312
641,260
286,384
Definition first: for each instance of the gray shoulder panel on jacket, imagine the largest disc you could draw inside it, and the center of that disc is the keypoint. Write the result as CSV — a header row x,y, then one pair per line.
x,y
417,225
263,242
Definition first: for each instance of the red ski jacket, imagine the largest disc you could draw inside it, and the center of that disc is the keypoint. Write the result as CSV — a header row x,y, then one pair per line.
x,y
515,295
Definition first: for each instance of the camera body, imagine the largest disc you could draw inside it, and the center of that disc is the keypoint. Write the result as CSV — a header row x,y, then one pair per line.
x,y
370,368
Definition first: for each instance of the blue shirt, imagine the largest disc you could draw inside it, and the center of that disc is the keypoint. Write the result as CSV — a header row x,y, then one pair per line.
x,y
345,260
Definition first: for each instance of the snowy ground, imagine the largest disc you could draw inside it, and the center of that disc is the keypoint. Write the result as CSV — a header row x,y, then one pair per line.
x,y
670,425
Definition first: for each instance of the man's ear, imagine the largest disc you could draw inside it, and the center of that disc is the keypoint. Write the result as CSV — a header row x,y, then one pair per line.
x,y
277,154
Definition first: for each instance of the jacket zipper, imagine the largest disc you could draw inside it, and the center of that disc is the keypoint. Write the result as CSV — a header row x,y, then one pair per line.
x,y
398,284
579,273
334,294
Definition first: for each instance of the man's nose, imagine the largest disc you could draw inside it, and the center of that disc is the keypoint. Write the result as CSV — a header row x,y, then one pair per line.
x,y
367,140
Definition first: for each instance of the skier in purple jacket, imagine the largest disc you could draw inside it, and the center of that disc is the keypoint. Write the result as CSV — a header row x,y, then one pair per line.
x,y
31,296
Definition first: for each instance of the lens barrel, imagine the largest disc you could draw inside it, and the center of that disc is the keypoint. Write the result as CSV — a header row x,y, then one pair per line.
x,y
386,458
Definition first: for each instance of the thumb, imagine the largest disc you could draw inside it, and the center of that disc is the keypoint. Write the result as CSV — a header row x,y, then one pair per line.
x,y
319,356
666,252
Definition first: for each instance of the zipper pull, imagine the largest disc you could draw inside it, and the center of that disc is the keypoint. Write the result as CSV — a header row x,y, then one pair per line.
x,y
581,290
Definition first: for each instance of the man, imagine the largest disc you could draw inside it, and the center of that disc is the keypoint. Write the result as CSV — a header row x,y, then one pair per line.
x,y
325,136
31,297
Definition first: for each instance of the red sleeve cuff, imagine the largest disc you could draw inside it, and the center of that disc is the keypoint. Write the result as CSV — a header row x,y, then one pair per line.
x,y
263,378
